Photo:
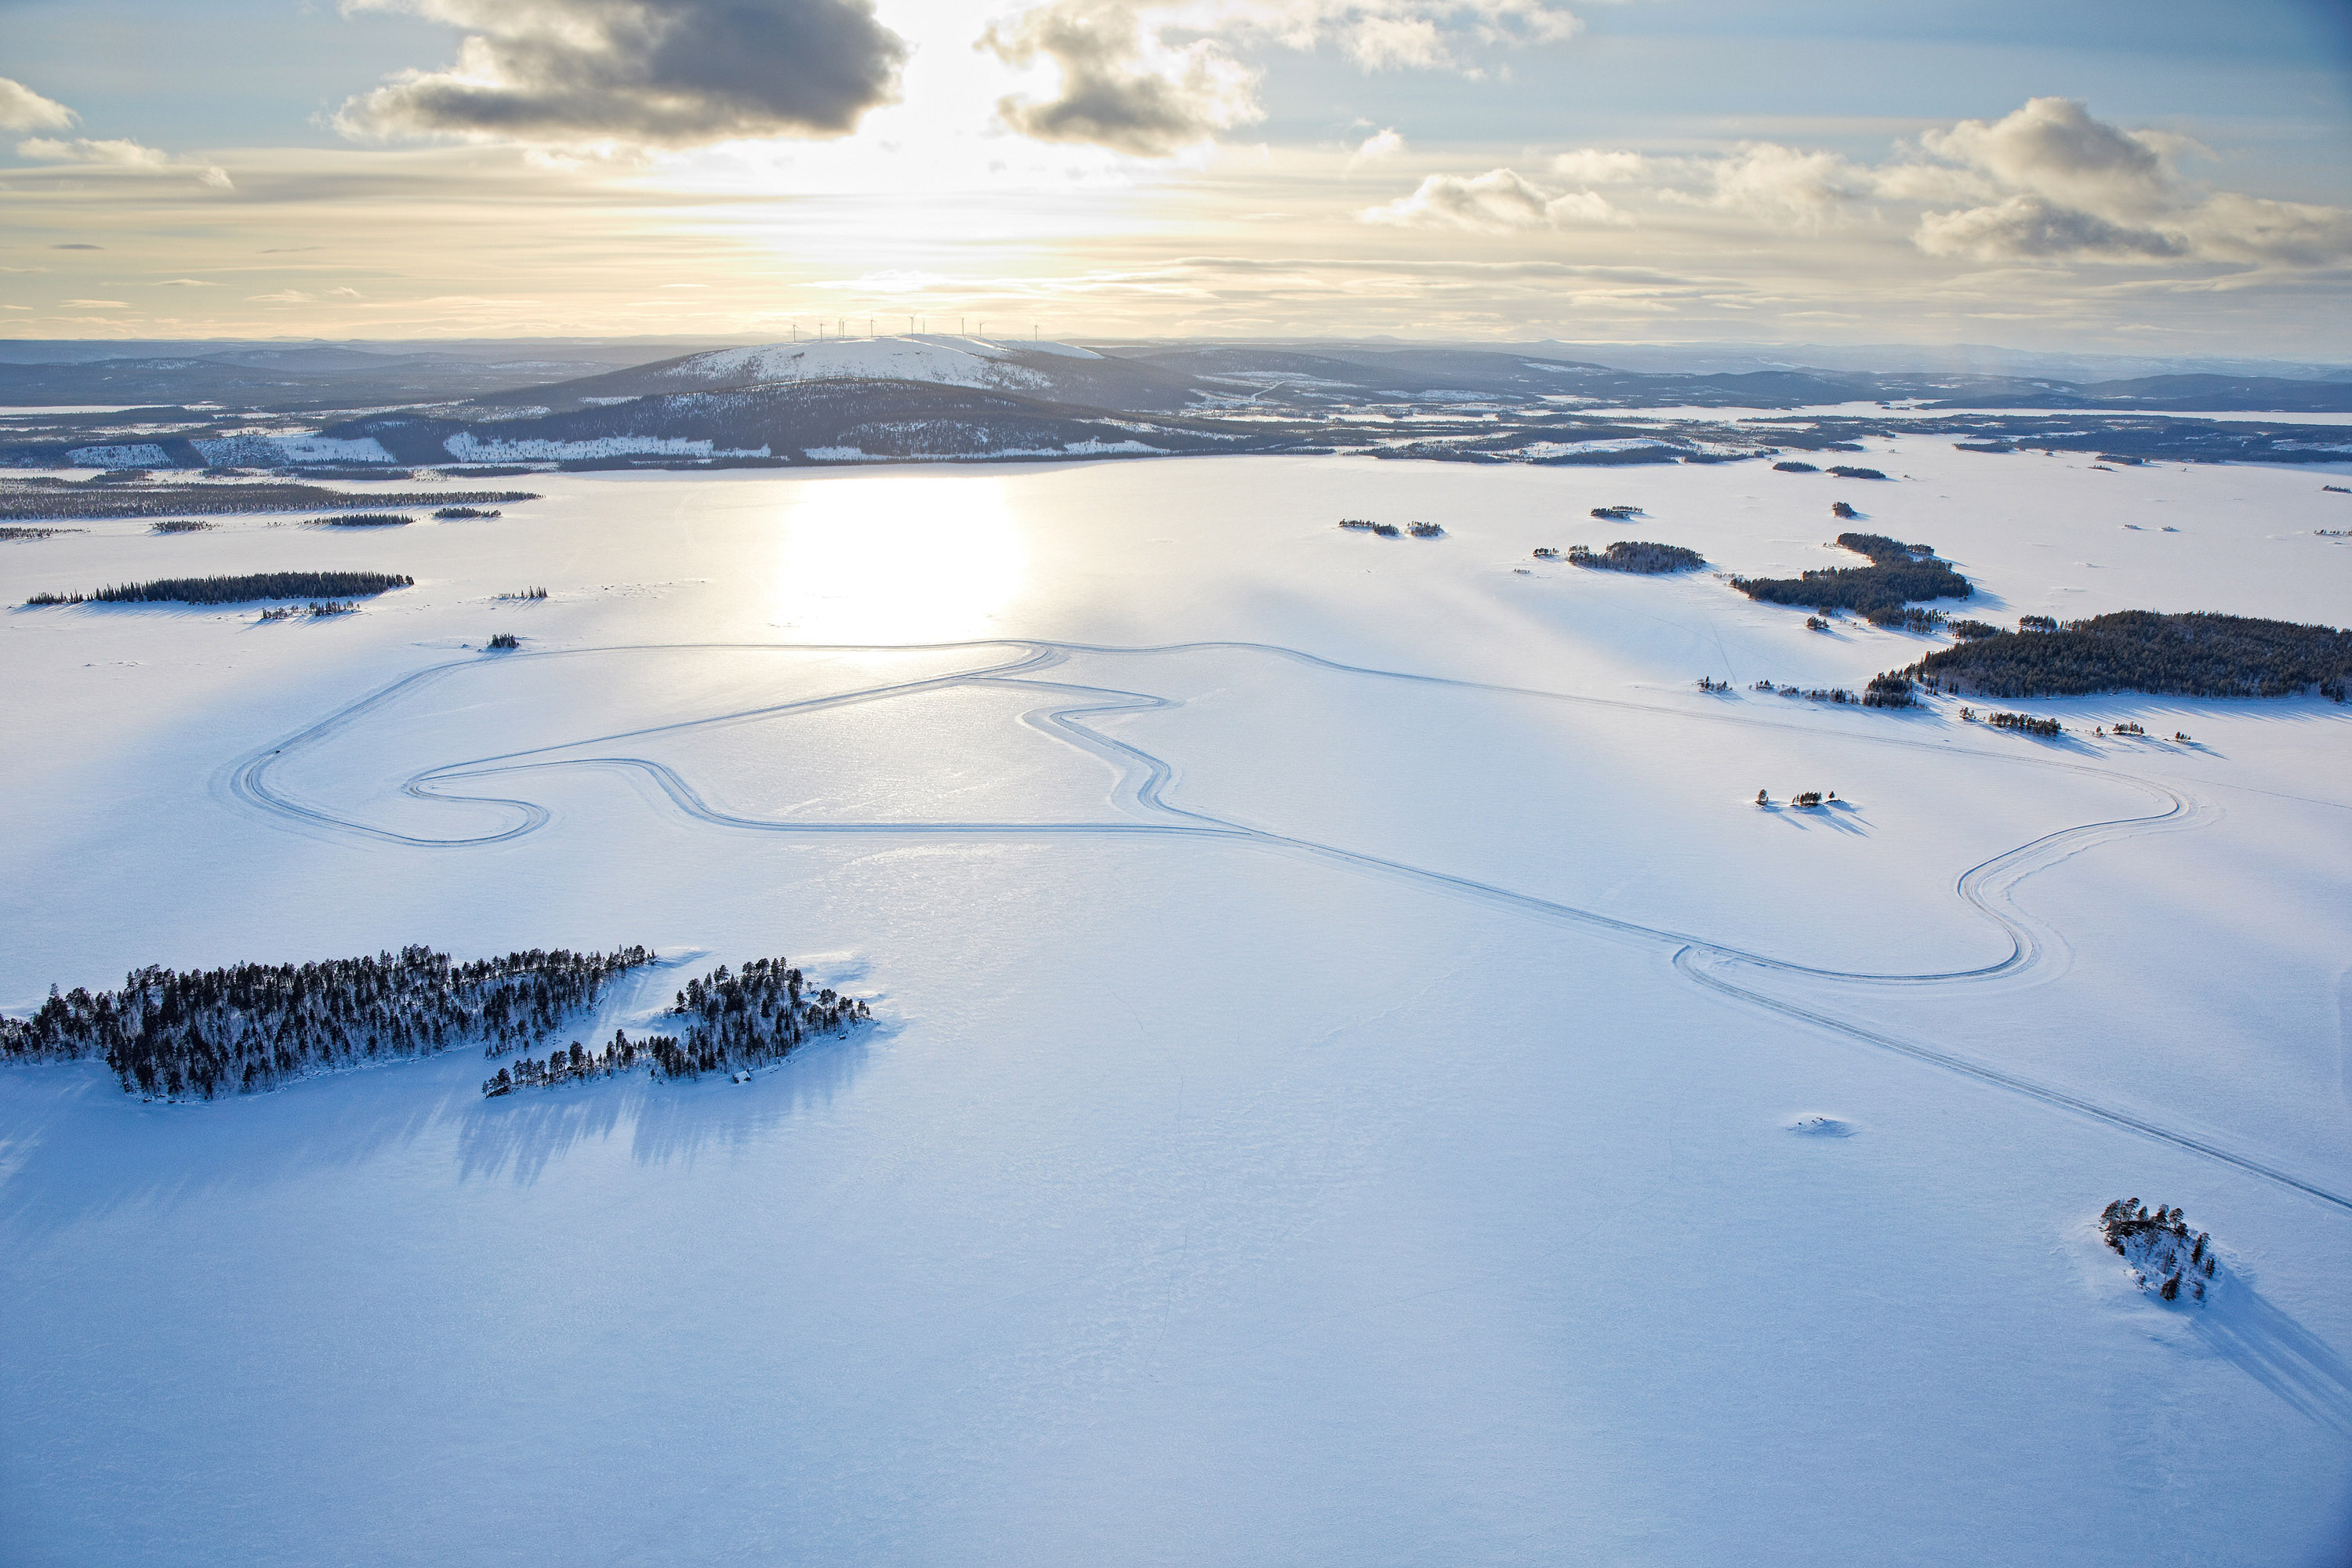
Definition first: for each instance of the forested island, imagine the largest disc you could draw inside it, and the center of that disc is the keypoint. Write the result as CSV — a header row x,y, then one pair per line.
x,y
38,497
2162,1254
1898,574
236,589
175,1035
1636,555
2191,655
724,1023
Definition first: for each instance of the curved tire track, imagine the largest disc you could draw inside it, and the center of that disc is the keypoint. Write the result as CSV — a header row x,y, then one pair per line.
x,y
1988,886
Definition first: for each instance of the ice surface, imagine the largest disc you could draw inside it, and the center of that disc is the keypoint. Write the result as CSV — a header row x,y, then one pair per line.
x,y
1359,1078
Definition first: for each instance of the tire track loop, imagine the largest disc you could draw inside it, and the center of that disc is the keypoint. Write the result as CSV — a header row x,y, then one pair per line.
x,y
1987,887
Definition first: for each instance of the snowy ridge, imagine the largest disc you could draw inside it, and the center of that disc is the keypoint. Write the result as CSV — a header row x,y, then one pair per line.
x,y
467,448
942,360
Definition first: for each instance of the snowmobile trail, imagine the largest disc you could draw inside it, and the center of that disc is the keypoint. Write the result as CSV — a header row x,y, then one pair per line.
x,y
2035,950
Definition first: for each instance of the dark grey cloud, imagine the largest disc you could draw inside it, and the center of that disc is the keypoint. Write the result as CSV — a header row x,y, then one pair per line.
x,y
1122,87
662,73
77,247
2033,227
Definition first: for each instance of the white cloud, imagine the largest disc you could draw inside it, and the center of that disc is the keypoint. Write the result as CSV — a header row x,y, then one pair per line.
x,y
120,154
1594,166
2047,183
1496,202
1788,184
94,304
124,154
1380,144
1152,76
303,296
21,109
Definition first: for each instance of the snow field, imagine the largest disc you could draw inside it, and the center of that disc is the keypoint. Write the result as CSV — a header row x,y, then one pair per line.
x,y
1204,1197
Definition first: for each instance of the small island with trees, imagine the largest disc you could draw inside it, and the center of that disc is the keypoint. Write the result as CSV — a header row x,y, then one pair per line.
x,y
200,1034
722,1023
236,589
2156,1244
1881,592
1635,555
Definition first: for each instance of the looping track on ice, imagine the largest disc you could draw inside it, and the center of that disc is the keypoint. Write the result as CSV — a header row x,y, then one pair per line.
x,y
1988,886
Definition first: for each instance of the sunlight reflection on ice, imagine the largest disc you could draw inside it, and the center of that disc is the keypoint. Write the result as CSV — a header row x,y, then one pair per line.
x,y
897,559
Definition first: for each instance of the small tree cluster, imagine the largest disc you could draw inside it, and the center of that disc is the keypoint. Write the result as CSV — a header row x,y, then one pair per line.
x,y
2158,1247
722,1021
2025,723
362,520
502,640
179,525
1793,467
239,1030
314,611
13,533
1888,690
1616,513
458,513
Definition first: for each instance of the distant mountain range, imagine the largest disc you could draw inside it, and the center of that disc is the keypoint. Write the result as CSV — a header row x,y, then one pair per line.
x,y
941,396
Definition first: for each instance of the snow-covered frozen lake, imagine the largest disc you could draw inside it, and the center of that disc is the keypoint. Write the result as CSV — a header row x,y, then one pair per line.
x,y
1354,1060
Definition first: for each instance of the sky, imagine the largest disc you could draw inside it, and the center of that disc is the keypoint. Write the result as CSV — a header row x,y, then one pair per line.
x,y
2146,177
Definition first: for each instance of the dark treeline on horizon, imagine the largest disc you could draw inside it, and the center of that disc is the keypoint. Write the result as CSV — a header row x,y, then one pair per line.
x,y
236,589
199,1033
1898,574
24,499
2192,655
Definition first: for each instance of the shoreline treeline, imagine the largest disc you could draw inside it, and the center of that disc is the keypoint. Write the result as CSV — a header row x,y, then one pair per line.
x,y
2190,655
237,590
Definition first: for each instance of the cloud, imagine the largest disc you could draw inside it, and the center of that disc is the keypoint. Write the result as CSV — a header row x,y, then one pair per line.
x,y
120,154
1592,166
2052,148
2029,227
186,283
303,296
1153,77
77,245
127,154
1789,184
21,109
2049,181
1121,88
93,304
1380,145
1496,202
655,73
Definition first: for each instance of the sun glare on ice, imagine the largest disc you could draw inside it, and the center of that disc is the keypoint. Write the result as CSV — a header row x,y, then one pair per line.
x,y
892,560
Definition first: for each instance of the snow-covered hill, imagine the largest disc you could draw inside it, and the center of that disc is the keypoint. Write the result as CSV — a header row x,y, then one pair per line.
x,y
1045,372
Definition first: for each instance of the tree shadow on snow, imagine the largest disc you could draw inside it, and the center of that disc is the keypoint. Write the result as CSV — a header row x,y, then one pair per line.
x,y
522,1133
2279,1353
